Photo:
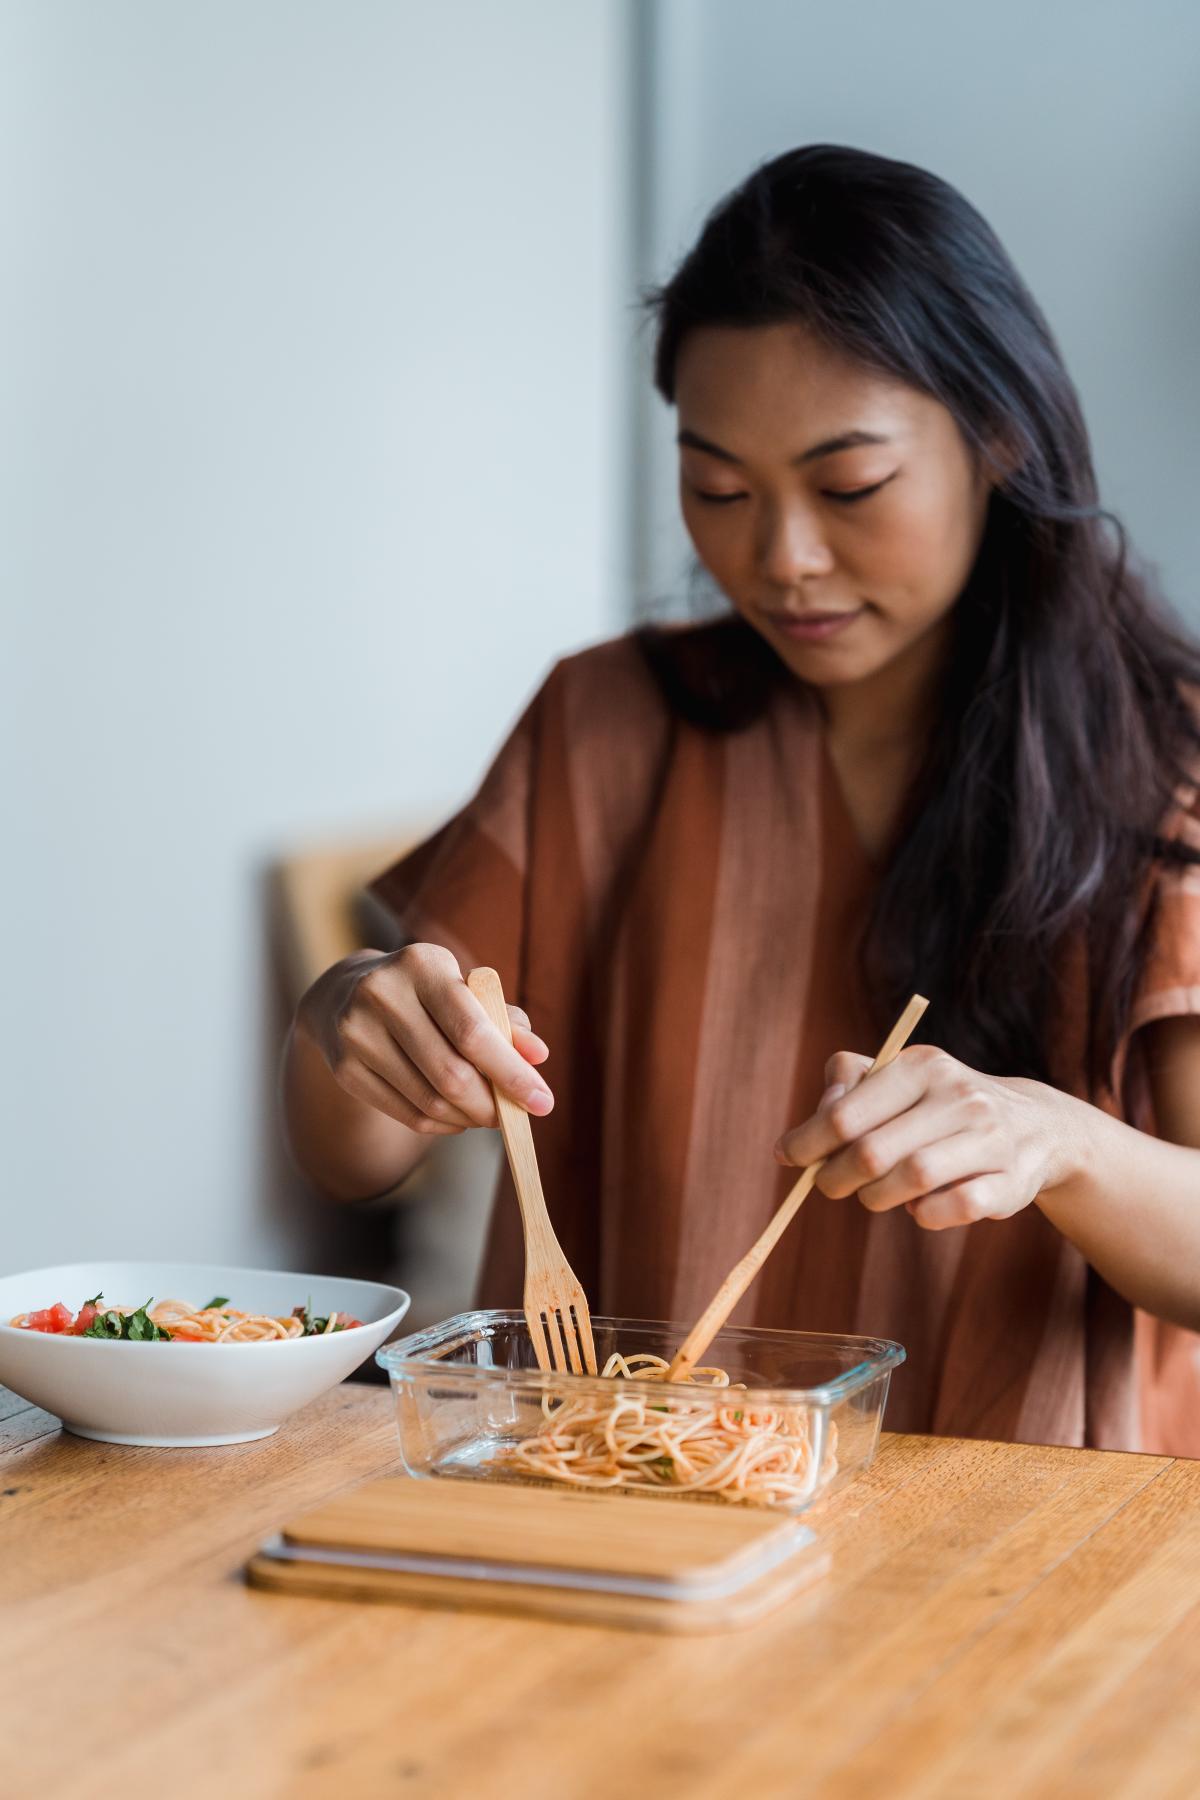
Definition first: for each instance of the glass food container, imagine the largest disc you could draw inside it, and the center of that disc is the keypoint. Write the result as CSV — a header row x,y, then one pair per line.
x,y
468,1392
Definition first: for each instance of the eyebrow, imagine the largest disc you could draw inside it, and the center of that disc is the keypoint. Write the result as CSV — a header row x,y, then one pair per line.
x,y
846,440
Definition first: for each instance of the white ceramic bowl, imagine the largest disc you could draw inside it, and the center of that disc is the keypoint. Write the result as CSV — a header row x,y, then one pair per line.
x,y
185,1394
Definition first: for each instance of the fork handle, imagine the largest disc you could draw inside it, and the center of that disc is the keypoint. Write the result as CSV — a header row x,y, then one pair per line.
x,y
515,1129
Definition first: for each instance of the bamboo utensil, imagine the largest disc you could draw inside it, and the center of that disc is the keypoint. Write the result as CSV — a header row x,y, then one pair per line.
x,y
739,1278
556,1309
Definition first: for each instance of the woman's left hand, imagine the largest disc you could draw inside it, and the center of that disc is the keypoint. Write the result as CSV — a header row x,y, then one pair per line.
x,y
929,1134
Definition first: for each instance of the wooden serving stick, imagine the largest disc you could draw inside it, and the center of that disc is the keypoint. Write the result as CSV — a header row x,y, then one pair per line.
x,y
556,1309
739,1278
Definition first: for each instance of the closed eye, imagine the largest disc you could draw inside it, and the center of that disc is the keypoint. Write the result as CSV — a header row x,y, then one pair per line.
x,y
847,496
716,499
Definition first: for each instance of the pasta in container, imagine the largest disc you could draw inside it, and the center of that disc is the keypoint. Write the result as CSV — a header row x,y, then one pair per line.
x,y
776,1419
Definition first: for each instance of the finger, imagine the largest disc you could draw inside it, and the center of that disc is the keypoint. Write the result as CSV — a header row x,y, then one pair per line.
x,y
370,1041
964,1203
517,1017
453,1077
844,1070
364,1084
878,1097
529,1045
929,1167
397,1005
458,1015
899,1143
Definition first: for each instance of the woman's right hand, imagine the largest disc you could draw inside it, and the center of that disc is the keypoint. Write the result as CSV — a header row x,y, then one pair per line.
x,y
405,1033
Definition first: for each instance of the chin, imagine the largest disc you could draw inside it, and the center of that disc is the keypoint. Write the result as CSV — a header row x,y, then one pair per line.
x,y
829,665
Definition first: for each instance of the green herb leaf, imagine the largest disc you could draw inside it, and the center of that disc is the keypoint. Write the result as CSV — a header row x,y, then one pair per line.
x,y
217,1300
136,1327
95,1299
313,1327
665,1466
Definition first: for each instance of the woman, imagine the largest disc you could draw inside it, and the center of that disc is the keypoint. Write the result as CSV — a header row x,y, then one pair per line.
x,y
941,743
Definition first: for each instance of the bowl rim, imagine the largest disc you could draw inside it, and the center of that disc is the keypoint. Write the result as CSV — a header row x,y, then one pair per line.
x,y
401,1301
403,1358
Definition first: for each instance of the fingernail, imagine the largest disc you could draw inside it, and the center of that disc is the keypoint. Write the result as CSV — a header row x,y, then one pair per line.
x,y
833,1093
540,1101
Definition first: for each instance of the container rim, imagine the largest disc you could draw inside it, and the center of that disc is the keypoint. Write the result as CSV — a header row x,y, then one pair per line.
x,y
420,1350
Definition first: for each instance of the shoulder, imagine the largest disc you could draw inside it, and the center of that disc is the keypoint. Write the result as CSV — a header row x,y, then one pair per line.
x,y
672,682
604,695
602,668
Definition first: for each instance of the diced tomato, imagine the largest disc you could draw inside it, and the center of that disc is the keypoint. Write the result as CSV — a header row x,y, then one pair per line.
x,y
84,1317
56,1318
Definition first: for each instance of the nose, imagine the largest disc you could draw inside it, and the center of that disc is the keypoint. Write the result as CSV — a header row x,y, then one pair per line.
x,y
792,546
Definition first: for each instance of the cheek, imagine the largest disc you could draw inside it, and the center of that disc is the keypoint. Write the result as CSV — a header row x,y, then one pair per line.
x,y
918,554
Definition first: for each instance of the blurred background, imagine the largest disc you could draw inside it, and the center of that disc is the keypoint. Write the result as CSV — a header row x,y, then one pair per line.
x,y
325,426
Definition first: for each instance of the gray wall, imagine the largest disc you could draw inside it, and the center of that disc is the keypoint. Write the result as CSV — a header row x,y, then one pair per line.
x,y
1074,125
312,404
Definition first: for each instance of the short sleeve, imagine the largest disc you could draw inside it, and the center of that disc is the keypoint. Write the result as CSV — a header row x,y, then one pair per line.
x,y
1170,983
464,887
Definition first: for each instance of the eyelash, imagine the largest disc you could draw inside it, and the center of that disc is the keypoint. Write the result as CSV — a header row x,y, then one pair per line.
x,y
840,499
864,493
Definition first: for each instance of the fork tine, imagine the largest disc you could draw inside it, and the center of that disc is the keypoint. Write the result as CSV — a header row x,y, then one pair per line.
x,y
583,1321
537,1336
582,1334
559,1354
566,1324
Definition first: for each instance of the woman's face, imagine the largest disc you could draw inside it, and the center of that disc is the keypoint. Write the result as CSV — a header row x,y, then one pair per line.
x,y
839,510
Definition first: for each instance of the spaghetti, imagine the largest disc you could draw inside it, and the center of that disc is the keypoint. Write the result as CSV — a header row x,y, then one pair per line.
x,y
178,1321
223,1325
683,1444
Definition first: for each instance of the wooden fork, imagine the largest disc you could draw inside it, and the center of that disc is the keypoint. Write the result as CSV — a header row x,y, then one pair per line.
x,y
742,1274
556,1310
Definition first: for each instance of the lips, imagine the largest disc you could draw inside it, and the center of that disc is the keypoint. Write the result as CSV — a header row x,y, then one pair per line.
x,y
809,626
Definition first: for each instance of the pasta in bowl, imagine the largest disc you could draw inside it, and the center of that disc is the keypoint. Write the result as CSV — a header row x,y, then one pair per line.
x,y
779,1418
184,1354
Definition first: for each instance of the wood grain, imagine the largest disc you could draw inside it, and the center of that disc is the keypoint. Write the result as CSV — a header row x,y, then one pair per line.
x,y
621,1534
999,1620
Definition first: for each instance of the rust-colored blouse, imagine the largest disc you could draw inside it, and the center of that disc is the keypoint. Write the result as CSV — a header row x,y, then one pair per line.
x,y
678,913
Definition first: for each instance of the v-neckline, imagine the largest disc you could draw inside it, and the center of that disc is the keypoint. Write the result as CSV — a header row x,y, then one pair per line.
x,y
835,796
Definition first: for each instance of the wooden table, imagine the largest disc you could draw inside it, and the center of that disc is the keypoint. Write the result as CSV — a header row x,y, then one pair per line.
x,y
1001,1620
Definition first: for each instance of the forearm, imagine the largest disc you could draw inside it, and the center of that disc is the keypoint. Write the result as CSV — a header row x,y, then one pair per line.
x,y
1131,1204
347,1148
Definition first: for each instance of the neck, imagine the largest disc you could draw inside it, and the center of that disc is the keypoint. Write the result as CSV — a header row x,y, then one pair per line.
x,y
889,713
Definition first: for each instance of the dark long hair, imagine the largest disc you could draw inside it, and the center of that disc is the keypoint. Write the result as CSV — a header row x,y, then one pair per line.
x,y
1066,729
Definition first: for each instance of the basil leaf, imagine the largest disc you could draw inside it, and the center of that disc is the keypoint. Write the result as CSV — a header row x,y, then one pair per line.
x,y
136,1327
105,1325
216,1301
304,1314
95,1299
314,1326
